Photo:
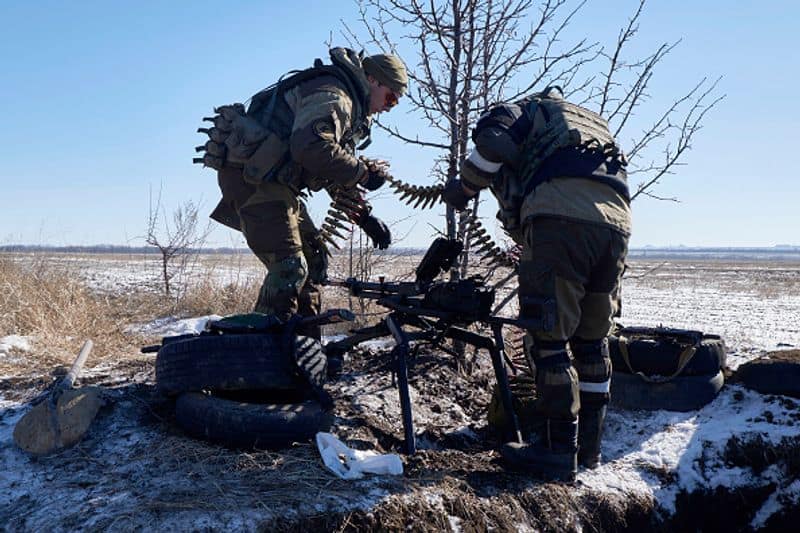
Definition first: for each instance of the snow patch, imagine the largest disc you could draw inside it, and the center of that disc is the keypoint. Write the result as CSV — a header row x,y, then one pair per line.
x,y
14,343
775,502
172,326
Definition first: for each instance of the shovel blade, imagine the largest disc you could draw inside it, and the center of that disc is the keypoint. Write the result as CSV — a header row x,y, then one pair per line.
x,y
45,430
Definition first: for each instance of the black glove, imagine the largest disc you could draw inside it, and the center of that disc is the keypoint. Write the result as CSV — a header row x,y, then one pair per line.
x,y
453,195
374,180
377,231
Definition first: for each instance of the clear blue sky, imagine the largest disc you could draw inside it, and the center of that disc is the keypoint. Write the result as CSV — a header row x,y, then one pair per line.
x,y
100,101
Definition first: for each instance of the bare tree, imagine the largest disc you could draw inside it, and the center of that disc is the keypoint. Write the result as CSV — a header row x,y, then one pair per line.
x,y
471,53
175,241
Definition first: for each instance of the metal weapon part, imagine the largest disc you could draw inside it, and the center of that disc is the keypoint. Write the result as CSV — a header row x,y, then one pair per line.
x,y
439,310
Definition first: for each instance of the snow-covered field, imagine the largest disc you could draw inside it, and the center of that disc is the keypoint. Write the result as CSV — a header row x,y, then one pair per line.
x,y
131,472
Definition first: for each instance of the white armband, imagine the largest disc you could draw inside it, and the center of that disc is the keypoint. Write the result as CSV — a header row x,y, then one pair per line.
x,y
482,163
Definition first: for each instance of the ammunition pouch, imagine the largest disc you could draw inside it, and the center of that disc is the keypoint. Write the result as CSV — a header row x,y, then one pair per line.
x,y
239,141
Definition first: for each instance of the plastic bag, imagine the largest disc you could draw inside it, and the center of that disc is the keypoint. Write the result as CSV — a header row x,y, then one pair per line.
x,y
353,464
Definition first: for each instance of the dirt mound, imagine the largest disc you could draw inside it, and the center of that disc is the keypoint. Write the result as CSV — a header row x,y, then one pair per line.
x,y
776,372
782,356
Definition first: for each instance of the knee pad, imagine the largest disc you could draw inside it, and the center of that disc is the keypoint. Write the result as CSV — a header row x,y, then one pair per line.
x,y
283,285
542,354
593,364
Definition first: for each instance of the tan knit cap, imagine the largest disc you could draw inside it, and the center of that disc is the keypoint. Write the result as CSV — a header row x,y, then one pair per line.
x,y
389,70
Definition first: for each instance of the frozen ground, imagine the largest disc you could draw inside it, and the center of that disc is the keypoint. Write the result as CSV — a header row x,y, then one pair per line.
x,y
135,470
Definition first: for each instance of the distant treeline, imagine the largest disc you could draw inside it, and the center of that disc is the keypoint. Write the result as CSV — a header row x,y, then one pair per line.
x,y
774,253
117,249
109,249
782,251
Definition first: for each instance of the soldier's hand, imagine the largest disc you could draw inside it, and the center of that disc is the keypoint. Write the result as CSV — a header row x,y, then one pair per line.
x,y
453,195
377,231
377,171
373,181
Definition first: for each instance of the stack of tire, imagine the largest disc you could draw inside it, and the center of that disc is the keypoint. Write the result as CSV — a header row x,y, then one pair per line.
x,y
665,368
251,390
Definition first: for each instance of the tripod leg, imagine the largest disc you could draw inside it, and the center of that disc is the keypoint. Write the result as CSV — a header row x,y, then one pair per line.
x,y
401,367
498,357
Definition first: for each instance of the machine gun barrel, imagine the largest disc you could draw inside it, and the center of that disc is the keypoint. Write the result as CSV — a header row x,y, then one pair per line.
x,y
380,289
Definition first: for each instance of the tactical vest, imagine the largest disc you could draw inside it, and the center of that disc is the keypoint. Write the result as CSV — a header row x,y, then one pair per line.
x,y
570,141
257,139
556,138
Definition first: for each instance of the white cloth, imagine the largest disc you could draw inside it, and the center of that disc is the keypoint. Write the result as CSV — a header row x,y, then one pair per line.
x,y
353,464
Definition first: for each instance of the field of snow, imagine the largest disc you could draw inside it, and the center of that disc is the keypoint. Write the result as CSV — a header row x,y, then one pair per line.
x,y
130,473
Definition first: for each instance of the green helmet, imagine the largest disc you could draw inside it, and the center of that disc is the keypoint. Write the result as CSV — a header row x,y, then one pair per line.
x,y
388,70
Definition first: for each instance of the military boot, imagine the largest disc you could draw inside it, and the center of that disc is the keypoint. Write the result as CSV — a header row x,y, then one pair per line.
x,y
551,458
590,434
594,370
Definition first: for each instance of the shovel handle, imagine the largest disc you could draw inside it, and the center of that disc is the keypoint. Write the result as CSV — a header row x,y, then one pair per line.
x,y
72,375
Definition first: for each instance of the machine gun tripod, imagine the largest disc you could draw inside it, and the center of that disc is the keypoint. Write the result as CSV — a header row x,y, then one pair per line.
x,y
440,310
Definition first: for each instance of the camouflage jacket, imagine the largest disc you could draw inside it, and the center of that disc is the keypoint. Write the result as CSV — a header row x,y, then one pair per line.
x,y
321,121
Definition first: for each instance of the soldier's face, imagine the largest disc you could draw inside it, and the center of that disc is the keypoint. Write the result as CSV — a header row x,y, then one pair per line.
x,y
381,98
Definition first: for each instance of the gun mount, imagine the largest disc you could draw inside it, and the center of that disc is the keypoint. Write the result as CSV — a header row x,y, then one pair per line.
x,y
439,310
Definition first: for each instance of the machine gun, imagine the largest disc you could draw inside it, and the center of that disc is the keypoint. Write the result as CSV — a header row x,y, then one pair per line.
x,y
439,310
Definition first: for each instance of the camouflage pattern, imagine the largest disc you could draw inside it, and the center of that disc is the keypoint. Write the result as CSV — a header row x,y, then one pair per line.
x,y
571,197
280,232
323,141
317,124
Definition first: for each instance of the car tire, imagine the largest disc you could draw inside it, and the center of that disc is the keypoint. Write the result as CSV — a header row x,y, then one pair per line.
x,y
682,393
226,362
249,425
658,355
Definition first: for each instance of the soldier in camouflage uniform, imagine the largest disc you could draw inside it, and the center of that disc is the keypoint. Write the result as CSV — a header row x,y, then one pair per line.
x,y
560,180
301,134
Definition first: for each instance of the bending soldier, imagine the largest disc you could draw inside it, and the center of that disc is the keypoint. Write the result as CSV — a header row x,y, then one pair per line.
x,y
560,181
301,134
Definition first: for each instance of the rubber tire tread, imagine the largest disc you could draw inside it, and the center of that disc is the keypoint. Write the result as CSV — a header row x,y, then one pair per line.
x,y
249,425
771,377
683,393
312,359
659,357
225,362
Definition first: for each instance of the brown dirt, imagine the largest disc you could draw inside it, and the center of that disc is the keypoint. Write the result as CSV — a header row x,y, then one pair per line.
x,y
781,356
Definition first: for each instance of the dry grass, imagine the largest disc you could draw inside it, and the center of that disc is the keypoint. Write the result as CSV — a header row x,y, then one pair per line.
x,y
50,304
57,310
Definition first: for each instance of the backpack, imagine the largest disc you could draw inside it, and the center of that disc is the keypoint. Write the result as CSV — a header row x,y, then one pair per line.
x,y
256,139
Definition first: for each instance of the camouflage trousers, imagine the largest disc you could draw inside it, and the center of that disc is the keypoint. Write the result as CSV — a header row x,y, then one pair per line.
x,y
279,231
580,266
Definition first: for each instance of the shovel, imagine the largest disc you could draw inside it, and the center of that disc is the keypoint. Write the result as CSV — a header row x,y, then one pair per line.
x,y
63,417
